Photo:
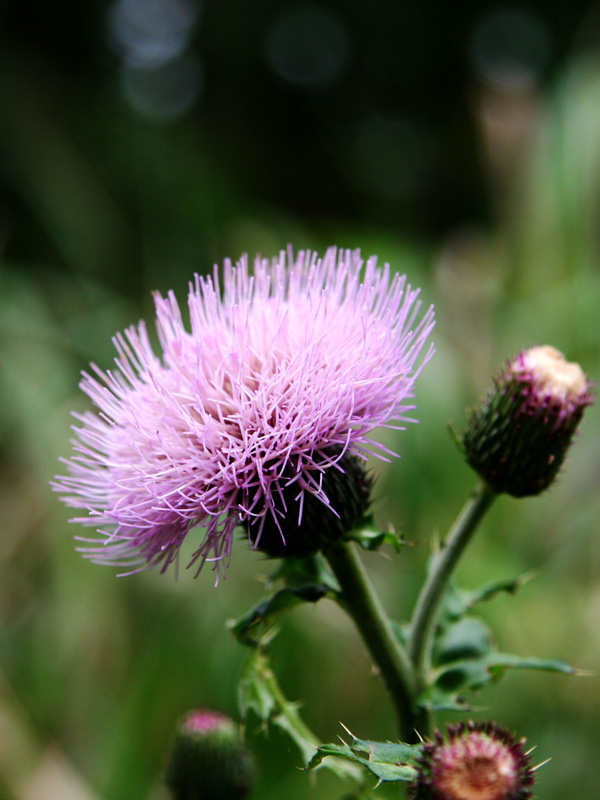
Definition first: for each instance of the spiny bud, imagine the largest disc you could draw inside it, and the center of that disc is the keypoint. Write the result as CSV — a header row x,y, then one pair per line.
x,y
518,437
477,761
208,760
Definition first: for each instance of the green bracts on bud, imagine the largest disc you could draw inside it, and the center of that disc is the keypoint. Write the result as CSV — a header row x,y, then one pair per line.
x,y
208,760
518,437
347,487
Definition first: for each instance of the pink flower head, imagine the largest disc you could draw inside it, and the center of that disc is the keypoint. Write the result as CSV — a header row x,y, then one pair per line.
x,y
477,761
204,720
281,373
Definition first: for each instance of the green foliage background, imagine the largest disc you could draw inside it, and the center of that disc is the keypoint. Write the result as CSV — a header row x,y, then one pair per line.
x,y
100,205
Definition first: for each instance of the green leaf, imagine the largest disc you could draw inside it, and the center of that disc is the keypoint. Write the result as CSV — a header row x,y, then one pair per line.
x,y
308,582
468,638
458,602
435,699
249,628
459,676
370,538
497,663
388,752
388,761
298,571
490,590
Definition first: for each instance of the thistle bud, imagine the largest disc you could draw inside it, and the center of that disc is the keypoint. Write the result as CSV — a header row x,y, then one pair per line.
x,y
518,437
477,761
208,760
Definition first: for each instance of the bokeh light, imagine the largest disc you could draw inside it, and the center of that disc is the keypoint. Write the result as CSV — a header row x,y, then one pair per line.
x,y
160,78
511,48
307,45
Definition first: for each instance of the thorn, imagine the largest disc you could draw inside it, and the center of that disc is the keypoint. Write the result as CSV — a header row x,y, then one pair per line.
x,y
349,732
526,577
421,739
533,769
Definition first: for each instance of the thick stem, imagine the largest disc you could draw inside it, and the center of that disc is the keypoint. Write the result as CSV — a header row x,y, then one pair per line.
x,y
426,613
363,605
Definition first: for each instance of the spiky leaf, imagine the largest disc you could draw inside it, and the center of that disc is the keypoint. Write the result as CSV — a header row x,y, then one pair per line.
x,y
388,761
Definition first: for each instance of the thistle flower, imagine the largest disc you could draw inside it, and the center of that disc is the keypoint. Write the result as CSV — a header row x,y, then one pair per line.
x,y
478,761
519,436
208,759
259,416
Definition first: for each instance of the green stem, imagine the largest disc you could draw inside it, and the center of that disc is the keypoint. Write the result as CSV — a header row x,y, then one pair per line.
x,y
363,605
426,613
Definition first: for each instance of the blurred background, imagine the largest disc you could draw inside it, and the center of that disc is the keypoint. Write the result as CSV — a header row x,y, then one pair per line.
x,y
144,140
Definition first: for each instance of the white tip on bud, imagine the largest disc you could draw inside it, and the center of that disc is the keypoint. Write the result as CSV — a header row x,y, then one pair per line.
x,y
554,376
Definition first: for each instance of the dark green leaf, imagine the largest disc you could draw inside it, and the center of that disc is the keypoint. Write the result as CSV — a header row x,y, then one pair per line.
x,y
250,628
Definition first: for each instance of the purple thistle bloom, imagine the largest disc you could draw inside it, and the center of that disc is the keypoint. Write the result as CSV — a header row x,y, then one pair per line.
x,y
281,374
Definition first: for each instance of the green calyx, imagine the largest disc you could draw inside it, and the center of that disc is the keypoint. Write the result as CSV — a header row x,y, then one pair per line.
x,y
347,486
